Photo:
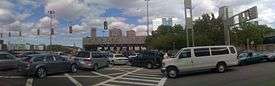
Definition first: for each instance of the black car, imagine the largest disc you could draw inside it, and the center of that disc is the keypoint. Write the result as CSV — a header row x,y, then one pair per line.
x,y
148,59
40,65
27,54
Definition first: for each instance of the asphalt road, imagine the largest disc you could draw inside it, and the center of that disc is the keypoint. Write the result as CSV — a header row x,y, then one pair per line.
x,y
116,75
262,74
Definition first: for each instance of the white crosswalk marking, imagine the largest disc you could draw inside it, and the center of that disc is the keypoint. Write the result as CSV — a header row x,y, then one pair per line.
x,y
144,77
29,82
136,79
132,78
73,80
102,75
134,83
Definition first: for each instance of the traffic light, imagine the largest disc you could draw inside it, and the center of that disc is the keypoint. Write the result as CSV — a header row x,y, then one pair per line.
x,y
70,29
20,33
105,25
1,35
38,31
9,34
52,31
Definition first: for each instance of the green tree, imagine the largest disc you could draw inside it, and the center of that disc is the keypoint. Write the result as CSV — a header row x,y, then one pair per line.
x,y
167,38
248,32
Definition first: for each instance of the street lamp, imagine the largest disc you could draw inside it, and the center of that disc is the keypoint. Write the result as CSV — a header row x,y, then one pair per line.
x,y
147,14
51,13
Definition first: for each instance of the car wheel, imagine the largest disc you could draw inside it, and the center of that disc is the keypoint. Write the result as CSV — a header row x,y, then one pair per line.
x,y
221,67
95,68
41,73
149,65
129,64
172,72
74,68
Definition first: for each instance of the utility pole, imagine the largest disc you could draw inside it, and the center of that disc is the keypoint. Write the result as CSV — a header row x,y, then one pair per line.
x,y
188,21
51,13
147,14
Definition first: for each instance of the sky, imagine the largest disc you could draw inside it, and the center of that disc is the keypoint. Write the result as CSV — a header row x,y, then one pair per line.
x,y
29,15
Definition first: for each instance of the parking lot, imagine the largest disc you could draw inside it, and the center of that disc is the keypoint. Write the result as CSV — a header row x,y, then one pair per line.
x,y
261,74
115,75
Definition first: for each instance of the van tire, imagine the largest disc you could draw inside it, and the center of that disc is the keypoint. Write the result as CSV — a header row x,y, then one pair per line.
x,y
221,67
172,72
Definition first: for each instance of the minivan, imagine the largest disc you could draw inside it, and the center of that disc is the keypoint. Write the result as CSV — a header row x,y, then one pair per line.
x,y
200,58
91,59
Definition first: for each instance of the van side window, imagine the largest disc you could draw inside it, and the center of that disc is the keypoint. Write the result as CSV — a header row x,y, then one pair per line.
x,y
185,54
202,52
219,51
232,50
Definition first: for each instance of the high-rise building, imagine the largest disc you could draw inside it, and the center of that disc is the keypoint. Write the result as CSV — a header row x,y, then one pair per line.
x,y
93,32
164,21
131,33
115,32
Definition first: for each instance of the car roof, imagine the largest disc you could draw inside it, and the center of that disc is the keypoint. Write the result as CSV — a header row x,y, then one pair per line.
x,y
2,52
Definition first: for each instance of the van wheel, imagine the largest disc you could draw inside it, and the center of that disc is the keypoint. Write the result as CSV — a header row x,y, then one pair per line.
x,y
149,65
221,67
41,73
172,73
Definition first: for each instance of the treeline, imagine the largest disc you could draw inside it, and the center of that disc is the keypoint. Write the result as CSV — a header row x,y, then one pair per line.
x,y
208,30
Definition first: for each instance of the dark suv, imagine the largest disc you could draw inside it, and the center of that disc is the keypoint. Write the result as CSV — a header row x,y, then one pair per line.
x,y
40,65
148,59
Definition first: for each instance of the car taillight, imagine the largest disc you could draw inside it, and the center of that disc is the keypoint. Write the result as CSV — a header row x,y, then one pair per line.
x,y
87,61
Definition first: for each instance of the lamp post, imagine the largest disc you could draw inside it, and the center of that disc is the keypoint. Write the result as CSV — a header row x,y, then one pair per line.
x,y
51,13
147,14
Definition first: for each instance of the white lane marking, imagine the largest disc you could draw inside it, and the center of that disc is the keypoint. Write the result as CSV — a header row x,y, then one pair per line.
x,y
102,75
29,82
143,77
114,74
73,80
112,79
12,77
78,76
134,83
135,79
162,81
121,68
109,85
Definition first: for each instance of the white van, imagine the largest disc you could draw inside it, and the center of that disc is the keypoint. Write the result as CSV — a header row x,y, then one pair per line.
x,y
198,58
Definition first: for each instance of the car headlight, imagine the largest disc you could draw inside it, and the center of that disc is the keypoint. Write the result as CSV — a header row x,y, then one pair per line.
x,y
163,64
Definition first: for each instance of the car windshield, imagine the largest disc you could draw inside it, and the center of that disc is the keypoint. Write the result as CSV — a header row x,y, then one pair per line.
x,y
117,56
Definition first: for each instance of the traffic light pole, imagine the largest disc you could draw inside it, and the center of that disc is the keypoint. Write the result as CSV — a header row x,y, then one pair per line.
x,y
147,14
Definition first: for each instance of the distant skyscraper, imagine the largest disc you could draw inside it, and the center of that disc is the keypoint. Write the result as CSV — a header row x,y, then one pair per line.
x,y
115,32
93,32
131,33
164,21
